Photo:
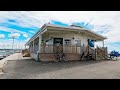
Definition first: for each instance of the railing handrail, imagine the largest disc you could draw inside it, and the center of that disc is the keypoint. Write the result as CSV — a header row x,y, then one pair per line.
x,y
62,45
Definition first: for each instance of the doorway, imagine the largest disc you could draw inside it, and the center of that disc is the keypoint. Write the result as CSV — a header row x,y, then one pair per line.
x,y
57,45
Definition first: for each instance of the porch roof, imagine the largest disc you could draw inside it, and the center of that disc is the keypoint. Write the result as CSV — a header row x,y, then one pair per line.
x,y
68,28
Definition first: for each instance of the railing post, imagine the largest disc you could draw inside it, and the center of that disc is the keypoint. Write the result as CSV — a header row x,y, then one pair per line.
x,y
39,51
76,49
95,54
33,46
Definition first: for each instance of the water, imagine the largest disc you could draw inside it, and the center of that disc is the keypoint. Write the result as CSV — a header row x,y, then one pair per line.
x,y
6,52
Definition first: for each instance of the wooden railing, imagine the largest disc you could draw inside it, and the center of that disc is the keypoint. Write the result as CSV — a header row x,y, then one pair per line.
x,y
102,52
35,49
92,51
73,49
65,48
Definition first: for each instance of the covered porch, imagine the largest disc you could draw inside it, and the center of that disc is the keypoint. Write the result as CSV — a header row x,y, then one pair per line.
x,y
72,42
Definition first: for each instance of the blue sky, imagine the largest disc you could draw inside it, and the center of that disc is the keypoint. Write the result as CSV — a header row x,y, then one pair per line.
x,y
26,23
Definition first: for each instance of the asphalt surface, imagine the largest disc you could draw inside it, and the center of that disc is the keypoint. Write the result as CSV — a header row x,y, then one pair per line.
x,y
29,69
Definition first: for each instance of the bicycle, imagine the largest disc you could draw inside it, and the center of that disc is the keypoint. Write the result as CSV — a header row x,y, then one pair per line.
x,y
56,57
60,56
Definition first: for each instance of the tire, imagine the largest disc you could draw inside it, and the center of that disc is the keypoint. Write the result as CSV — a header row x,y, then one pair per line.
x,y
56,59
65,58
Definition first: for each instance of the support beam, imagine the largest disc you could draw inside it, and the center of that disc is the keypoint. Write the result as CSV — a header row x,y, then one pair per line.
x,y
40,40
30,46
103,43
104,49
38,52
33,46
25,46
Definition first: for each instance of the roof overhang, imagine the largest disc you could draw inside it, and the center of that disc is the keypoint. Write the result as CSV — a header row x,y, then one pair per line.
x,y
46,27
40,31
98,37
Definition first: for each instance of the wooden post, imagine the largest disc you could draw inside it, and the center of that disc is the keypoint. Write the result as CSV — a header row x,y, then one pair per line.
x,y
30,47
76,49
38,52
33,46
103,49
95,54
40,39
103,43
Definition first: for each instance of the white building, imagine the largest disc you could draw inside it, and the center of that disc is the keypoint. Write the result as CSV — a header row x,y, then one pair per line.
x,y
73,40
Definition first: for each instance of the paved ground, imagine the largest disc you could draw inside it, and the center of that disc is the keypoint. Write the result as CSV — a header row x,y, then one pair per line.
x,y
29,69
16,56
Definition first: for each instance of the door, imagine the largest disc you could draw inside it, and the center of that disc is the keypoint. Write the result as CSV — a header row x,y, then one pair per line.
x,y
58,45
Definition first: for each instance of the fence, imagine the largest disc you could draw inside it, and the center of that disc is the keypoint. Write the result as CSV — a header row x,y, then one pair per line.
x,y
102,52
65,48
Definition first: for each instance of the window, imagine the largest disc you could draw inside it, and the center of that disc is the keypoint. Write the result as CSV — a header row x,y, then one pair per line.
x,y
67,42
78,42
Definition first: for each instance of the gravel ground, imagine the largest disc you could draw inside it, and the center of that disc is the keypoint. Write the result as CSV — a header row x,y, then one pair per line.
x,y
29,69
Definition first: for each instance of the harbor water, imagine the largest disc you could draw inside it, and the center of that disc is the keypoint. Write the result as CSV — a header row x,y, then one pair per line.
x,y
6,52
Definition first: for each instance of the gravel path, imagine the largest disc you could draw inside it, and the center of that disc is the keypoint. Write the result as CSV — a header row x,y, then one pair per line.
x,y
29,69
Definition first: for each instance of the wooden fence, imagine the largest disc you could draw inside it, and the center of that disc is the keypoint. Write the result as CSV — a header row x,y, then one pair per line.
x,y
65,48
71,49
102,52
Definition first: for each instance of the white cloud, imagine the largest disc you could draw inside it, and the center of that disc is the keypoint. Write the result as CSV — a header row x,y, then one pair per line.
x,y
27,39
11,30
2,35
25,35
8,45
32,32
15,35
38,18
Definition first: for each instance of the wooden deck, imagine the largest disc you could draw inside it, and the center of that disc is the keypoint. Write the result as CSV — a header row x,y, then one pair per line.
x,y
72,52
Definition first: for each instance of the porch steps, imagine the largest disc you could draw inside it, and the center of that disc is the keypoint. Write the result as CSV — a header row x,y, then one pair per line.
x,y
98,57
86,56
